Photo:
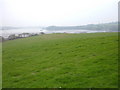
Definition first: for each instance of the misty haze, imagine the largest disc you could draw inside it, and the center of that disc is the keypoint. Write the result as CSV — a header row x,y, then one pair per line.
x,y
59,43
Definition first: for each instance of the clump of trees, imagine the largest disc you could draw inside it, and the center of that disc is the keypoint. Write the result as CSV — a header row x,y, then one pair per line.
x,y
42,33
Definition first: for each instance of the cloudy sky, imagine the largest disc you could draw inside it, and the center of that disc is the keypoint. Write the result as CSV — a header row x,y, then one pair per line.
x,y
57,12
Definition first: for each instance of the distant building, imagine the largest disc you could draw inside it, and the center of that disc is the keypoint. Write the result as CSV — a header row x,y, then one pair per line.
x,y
23,35
11,37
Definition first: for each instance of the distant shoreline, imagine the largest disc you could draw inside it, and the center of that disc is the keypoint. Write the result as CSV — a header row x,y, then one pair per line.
x,y
25,35
6,33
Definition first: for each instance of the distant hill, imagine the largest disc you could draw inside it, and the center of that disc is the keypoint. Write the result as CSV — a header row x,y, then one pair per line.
x,y
113,26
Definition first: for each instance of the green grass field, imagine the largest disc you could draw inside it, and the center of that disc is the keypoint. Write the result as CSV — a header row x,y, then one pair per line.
x,y
86,60
0,65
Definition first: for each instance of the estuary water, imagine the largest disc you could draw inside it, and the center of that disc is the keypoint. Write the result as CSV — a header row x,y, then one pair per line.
x,y
6,33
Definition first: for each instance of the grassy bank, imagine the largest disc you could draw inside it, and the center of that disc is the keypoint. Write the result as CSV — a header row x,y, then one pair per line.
x,y
61,60
0,65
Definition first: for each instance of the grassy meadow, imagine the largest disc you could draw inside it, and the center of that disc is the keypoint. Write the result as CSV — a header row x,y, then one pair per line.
x,y
0,65
86,60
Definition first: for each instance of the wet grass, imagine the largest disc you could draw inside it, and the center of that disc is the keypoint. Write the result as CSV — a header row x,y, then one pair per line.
x,y
61,60
0,65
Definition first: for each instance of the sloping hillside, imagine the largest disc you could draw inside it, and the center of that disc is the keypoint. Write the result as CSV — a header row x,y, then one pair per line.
x,y
61,60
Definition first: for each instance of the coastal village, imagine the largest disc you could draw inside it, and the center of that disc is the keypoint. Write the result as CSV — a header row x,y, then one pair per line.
x,y
18,36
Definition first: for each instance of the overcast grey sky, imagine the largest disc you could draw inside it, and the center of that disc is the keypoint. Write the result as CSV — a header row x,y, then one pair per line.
x,y
57,12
